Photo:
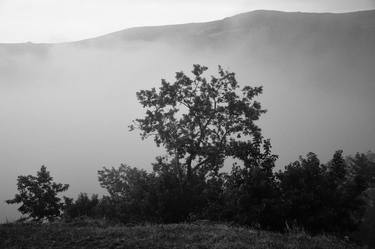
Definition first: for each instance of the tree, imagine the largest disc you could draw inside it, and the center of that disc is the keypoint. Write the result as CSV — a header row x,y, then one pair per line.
x,y
251,192
363,166
39,195
306,194
201,122
337,168
252,197
83,206
323,198
350,180
132,192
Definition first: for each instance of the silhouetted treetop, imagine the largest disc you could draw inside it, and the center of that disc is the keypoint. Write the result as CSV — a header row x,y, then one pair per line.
x,y
39,195
201,121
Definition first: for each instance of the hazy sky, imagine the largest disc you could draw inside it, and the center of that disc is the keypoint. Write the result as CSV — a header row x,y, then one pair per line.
x,y
67,20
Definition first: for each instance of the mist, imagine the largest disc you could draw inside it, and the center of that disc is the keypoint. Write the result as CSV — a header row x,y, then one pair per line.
x,y
68,106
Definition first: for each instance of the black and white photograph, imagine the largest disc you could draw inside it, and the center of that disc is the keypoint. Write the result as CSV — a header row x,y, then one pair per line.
x,y
200,124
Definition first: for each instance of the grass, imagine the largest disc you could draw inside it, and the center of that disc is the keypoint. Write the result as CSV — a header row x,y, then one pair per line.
x,y
97,235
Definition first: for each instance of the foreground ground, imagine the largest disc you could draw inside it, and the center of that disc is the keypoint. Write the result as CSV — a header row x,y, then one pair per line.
x,y
96,235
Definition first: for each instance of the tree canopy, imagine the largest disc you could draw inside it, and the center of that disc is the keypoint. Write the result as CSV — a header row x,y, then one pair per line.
x,y
39,195
201,121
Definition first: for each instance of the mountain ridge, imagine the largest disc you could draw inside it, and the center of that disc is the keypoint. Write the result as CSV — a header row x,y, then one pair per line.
x,y
248,19
256,13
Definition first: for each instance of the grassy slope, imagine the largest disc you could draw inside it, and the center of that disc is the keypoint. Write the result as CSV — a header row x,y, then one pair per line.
x,y
155,236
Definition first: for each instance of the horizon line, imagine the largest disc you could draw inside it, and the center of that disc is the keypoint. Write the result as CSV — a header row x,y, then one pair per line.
x,y
179,24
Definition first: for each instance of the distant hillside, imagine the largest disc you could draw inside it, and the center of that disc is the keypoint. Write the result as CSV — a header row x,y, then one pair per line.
x,y
292,30
157,236
274,27
311,42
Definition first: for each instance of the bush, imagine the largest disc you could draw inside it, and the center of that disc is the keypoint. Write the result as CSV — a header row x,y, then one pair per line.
x,y
132,193
307,194
322,198
83,206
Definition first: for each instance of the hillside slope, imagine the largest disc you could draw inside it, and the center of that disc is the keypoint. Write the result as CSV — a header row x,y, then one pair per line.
x,y
253,25
157,236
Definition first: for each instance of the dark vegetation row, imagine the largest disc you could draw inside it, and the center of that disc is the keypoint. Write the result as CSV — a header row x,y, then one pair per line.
x,y
202,122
